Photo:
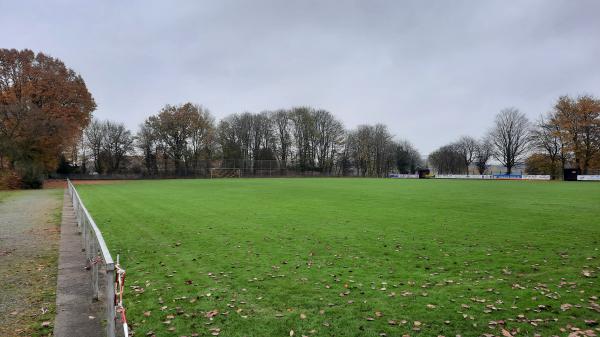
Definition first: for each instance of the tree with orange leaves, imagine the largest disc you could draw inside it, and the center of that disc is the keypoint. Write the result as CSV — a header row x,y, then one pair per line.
x,y
43,108
579,127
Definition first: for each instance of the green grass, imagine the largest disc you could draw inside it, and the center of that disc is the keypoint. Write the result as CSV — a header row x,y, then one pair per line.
x,y
4,194
353,257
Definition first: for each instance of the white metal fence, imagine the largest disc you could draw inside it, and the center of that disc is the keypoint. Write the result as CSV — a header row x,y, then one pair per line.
x,y
98,257
495,176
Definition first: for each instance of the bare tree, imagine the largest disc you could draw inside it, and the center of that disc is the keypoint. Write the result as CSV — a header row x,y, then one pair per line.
x,y
328,135
282,124
546,137
303,129
370,149
362,149
93,135
146,141
382,152
248,137
228,139
483,154
263,137
467,147
242,125
447,159
510,137
201,137
117,141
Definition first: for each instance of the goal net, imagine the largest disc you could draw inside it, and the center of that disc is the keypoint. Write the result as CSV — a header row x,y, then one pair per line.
x,y
225,173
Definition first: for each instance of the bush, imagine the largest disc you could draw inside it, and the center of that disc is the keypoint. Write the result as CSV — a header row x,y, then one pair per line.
x,y
32,176
9,180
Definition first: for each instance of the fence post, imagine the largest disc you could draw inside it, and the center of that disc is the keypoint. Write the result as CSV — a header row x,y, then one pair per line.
x,y
110,300
95,270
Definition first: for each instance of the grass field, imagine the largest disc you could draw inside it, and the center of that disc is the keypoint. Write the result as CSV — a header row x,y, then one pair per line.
x,y
4,194
354,257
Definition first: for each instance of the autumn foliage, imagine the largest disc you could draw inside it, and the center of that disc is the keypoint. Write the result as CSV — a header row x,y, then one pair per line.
x,y
43,108
577,123
568,137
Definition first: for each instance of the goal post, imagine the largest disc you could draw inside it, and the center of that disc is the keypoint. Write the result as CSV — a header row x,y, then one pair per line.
x,y
221,172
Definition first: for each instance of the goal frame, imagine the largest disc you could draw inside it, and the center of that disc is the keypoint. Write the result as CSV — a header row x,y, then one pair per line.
x,y
237,174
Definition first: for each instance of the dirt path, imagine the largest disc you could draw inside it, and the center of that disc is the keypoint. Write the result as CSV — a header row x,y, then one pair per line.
x,y
29,236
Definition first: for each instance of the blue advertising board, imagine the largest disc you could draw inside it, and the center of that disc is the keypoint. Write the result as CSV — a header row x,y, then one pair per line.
x,y
508,176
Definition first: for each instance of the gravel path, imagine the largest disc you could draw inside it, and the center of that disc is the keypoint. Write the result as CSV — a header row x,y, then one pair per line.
x,y
77,313
29,234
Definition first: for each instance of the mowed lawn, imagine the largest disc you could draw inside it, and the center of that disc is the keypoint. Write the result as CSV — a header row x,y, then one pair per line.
x,y
354,257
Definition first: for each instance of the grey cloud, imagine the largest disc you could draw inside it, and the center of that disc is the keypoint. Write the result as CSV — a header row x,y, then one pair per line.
x,y
431,70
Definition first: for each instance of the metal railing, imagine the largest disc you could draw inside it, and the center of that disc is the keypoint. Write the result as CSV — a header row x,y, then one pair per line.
x,y
97,255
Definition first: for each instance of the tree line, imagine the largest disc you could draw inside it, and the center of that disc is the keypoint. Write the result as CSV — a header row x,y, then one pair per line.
x,y
46,124
568,136
185,140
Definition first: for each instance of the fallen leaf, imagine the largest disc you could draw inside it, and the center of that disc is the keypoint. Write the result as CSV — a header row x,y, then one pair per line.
x,y
211,314
565,306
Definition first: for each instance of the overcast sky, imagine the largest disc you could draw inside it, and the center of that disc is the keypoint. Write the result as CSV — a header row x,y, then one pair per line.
x,y
430,70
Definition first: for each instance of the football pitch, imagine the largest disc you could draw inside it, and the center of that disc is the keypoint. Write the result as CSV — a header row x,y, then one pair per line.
x,y
354,257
